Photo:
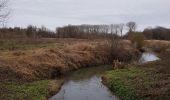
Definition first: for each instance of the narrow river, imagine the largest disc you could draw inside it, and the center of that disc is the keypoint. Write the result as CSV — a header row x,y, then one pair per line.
x,y
147,57
85,84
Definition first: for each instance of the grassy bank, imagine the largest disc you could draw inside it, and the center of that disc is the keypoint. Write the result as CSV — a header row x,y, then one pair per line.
x,y
142,82
39,90
137,83
133,83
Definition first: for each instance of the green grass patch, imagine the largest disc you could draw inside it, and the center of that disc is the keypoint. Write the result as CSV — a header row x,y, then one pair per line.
x,y
25,91
132,83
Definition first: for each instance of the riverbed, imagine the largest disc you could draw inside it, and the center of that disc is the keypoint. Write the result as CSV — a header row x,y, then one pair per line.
x,y
85,84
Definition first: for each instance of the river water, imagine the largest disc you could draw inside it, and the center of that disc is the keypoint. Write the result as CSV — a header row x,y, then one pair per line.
x,y
85,84
147,57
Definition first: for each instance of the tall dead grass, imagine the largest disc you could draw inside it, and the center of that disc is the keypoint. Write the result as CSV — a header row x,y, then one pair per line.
x,y
158,45
50,63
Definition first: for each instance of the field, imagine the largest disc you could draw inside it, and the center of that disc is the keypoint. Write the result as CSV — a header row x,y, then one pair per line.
x,y
58,58
31,69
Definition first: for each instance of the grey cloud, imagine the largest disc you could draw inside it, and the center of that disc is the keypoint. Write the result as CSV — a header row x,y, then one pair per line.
x,y
53,13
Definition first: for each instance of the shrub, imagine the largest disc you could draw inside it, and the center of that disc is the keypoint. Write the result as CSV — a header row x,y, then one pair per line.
x,y
137,39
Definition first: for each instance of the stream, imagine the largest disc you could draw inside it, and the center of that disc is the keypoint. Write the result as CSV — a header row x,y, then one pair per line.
x,y
147,57
86,83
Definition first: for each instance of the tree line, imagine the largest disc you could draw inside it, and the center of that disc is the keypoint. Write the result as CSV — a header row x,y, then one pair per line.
x,y
95,31
69,31
85,32
29,32
158,33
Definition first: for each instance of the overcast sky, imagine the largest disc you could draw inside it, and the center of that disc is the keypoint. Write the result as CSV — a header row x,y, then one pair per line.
x,y
53,13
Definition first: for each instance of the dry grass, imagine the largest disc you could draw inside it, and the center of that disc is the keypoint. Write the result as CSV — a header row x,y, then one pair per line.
x,y
158,45
54,86
46,63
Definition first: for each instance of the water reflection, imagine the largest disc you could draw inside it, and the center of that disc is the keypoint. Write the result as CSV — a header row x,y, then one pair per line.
x,y
147,57
85,84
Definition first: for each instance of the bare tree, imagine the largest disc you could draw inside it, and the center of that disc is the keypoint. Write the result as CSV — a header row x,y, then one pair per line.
x,y
4,11
131,26
114,29
121,27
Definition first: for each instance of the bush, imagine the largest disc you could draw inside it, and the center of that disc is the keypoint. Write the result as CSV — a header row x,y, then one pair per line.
x,y
137,39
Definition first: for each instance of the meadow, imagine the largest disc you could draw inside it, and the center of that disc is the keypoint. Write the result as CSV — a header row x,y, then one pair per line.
x,y
31,67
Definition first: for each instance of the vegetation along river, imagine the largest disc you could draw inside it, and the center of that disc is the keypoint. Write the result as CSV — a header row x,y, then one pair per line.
x,y
86,83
